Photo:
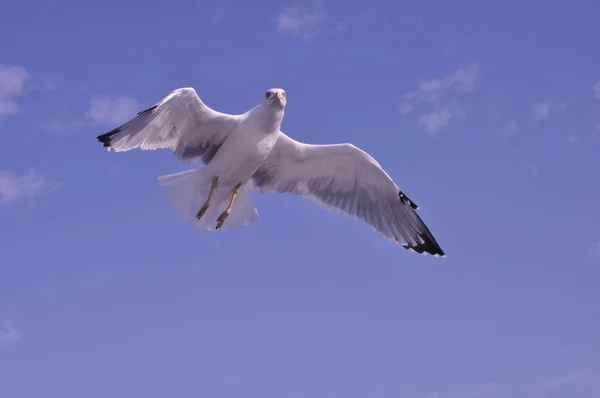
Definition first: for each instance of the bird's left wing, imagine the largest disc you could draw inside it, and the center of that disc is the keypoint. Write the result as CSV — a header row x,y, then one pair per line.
x,y
344,178
181,122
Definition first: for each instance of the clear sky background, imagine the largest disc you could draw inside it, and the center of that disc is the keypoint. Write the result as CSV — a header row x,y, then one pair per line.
x,y
487,114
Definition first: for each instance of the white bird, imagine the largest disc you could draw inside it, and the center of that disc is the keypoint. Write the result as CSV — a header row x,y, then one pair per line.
x,y
249,151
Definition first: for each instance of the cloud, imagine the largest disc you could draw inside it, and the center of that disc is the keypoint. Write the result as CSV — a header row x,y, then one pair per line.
x,y
579,380
14,82
560,381
432,91
597,90
12,86
9,336
544,109
299,21
483,390
479,390
417,19
512,128
435,121
112,111
62,127
340,27
541,110
441,96
15,187
570,384
218,12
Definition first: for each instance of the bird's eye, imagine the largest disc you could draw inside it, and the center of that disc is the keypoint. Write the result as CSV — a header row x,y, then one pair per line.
x,y
283,94
267,94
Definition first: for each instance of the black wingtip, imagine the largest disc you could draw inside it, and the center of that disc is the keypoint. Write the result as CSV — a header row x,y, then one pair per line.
x,y
406,200
429,247
105,138
429,244
147,111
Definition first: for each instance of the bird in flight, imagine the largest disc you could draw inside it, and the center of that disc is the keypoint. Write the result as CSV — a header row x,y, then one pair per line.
x,y
247,152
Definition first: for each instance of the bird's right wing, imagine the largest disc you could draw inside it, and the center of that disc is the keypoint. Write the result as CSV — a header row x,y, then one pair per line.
x,y
346,179
180,122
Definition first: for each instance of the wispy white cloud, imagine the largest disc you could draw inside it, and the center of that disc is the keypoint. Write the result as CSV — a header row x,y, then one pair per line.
x,y
541,110
569,384
512,128
484,390
62,127
217,14
9,336
441,96
573,139
479,390
434,121
434,91
579,380
300,21
15,81
340,27
560,381
417,18
596,90
112,111
12,86
102,110
28,185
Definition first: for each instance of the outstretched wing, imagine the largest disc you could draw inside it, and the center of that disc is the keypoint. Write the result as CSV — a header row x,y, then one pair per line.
x,y
180,122
346,179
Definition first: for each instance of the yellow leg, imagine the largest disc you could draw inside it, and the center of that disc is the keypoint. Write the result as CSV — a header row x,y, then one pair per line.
x,y
206,204
227,211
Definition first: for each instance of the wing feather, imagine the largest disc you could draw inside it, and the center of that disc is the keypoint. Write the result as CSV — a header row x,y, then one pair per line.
x,y
180,122
345,179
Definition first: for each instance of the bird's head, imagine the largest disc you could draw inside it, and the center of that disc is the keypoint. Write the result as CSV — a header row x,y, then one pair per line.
x,y
275,97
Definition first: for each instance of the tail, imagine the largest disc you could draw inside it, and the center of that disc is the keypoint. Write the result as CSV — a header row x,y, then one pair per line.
x,y
187,191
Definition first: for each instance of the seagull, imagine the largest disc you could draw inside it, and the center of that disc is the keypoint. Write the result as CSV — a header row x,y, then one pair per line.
x,y
248,152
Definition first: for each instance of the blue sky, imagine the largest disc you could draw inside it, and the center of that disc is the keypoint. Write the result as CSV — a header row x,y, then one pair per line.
x,y
487,116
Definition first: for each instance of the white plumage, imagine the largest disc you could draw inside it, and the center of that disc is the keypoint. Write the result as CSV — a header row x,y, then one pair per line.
x,y
180,122
250,149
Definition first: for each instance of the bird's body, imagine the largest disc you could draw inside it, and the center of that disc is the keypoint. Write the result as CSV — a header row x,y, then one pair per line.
x,y
252,140
249,151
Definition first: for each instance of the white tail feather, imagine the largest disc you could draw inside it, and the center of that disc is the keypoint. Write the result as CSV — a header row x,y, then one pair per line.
x,y
187,191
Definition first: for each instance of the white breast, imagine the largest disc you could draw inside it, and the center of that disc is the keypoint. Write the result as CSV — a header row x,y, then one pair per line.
x,y
244,150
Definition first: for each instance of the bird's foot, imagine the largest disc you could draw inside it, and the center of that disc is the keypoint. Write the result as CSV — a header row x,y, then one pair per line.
x,y
222,218
202,210
204,207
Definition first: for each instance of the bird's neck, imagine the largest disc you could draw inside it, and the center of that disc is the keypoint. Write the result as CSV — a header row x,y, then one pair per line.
x,y
269,118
